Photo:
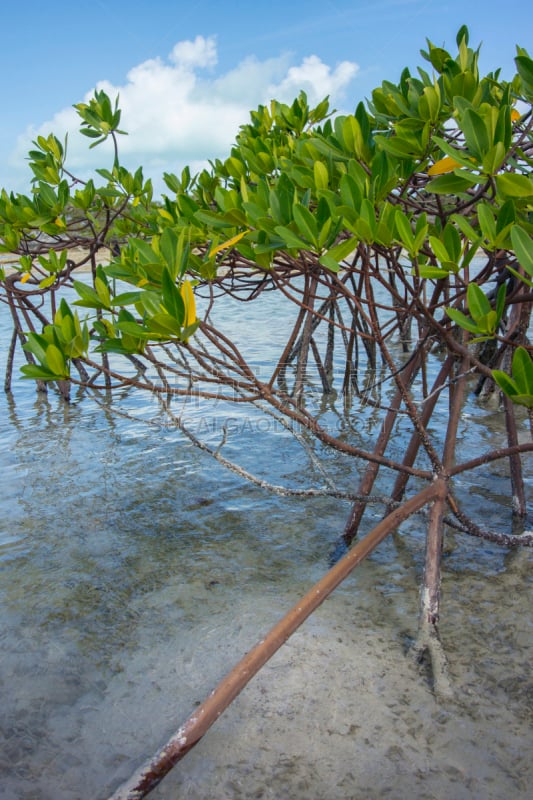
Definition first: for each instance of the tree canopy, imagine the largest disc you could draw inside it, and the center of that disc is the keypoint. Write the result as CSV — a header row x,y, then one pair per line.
x,y
436,168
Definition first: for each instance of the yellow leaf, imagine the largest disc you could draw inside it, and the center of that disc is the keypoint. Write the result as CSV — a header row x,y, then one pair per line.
x,y
142,282
446,164
515,114
229,243
25,278
136,201
165,214
189,302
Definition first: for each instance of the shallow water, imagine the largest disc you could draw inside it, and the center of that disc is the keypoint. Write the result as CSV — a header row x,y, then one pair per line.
x,y
135,572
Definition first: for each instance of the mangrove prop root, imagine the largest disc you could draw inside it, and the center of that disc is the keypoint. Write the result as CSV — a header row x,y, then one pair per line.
x,y
428,638
428,643
197,725
367,482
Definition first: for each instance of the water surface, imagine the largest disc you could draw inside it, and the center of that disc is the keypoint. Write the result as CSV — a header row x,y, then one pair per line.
x,y
135,571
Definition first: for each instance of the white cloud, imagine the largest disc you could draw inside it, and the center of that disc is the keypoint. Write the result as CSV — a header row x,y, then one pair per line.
x,y
316,79
179,111
200,53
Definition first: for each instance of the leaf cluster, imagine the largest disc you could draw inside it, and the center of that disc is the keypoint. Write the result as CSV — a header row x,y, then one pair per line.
x,y
435,169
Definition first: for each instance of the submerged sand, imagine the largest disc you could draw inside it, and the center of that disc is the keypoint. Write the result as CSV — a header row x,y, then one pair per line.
x,y
340,713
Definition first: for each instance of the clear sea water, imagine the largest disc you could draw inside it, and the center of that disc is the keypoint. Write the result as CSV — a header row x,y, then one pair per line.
x,y
135,571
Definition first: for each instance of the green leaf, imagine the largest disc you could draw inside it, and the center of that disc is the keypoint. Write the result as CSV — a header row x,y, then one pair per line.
x,y
421,230
429,104
351,192
452,240
522,367
439,248
91,134
329,262
103,172
493,159
523,400
466,228
436,56
520,388
487,222
345,248
487,324
102,290
133,329
89,298
187,207
505,383
523,247
46,282
188,331
512,185
366,224
454,183
461,156
506,216
403,226
398,146
172,181
172,298
292,241
37,344
306,223
462,35
126,299
321,175
211,219
168,246
476,134
56,361
478,303
524,67
66,326
350,135
521,277
460,319
165,325
33,372
433,273
500,302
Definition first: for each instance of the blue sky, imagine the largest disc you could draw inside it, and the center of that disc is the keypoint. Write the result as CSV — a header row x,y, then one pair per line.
x,y
189,72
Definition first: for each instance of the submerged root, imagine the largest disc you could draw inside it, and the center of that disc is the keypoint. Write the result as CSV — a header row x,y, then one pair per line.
x,y
428,648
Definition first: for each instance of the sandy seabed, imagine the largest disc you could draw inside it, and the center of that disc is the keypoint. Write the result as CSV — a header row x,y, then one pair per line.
x,y
341,712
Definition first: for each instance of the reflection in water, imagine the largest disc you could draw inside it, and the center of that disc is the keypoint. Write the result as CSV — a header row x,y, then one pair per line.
x,y
135,572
